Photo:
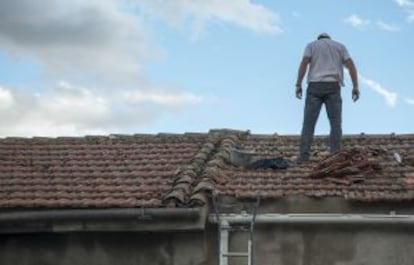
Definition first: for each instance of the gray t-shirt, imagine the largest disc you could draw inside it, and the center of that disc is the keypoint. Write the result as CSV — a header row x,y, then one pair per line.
x,y
327,58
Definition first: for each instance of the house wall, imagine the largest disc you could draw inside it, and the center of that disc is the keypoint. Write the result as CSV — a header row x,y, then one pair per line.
x,y
91,248
321,244
274,244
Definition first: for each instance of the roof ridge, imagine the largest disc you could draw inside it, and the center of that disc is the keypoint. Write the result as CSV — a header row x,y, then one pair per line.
x,y
210,177
185,175
191,181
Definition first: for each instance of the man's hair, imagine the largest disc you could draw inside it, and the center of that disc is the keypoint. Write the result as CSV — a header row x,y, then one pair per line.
x,y
324,36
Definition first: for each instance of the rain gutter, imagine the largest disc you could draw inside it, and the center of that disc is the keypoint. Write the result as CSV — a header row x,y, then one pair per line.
x,y
102,220
99,214
354,219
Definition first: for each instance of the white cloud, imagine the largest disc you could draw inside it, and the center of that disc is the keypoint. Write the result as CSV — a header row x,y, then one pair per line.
x,y
198,14
408,7
410,17
389,96
97,49
77,38
356,21
361,23
6,99
69,109
99,44
405,3
164,97
68,103
387,27
65,109
409,101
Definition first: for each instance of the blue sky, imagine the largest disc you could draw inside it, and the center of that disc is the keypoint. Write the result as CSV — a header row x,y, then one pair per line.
x,y
148,66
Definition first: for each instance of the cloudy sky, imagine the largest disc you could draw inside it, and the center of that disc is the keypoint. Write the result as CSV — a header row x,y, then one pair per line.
x,y
147,66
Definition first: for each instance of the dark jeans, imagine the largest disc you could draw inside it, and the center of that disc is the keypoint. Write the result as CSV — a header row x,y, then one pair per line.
x,y
318,93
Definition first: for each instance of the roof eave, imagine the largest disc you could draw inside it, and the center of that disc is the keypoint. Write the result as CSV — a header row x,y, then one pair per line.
x,y
103,220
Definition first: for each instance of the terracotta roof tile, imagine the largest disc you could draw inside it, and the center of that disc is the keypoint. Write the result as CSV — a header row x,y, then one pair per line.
x,y
92,171
387,183
183,169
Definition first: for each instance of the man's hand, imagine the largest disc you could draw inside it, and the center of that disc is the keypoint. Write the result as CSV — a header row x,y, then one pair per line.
x,y
355,94
354,76
298,91
301,73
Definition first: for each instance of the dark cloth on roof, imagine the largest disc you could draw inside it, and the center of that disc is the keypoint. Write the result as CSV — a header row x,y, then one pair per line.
x,y
273,163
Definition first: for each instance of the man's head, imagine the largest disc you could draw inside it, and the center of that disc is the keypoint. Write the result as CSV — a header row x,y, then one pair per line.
x,y
324,36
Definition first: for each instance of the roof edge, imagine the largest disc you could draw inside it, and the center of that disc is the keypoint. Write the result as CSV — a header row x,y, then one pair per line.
x,y
93,214
103,220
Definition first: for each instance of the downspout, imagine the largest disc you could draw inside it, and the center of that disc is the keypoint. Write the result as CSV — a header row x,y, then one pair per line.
x,y
352,219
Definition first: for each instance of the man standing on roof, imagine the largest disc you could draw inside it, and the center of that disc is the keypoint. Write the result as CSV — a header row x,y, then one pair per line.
x,y
326,59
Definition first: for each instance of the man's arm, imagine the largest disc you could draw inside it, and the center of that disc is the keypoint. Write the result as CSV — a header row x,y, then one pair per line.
x,y
301,73
354,77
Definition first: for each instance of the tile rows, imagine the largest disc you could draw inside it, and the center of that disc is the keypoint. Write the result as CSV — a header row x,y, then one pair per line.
x,y
182,170
394,180
78,172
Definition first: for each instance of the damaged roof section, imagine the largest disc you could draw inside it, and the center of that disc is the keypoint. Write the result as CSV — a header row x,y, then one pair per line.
x,y
182,170
370,168
351,165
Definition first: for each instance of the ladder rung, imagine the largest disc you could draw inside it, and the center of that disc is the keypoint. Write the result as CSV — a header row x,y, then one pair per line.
x,y
236,254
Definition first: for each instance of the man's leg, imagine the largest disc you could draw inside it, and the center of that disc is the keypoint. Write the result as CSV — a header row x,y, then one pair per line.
x,y
334,110
312,108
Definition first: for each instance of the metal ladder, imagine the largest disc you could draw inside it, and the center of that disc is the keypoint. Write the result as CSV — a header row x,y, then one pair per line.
x,y
224,229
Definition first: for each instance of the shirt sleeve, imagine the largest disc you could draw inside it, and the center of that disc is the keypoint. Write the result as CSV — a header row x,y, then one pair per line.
x,y
345,54
308,51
